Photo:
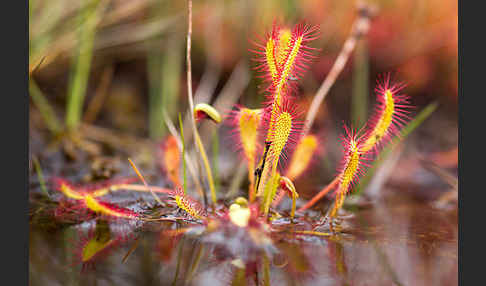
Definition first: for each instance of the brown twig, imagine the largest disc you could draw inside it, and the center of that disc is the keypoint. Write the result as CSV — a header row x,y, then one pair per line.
x,y
144,182
132,248
360,27
189,67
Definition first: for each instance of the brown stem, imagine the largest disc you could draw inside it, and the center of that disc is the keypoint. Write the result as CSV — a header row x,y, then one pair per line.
x,y
189,85
360,27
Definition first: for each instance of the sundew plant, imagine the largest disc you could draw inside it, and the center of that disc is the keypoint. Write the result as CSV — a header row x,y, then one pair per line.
x,y
267,137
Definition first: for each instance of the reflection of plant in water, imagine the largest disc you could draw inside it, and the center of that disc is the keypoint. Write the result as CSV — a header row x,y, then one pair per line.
x,y
96,243
248,229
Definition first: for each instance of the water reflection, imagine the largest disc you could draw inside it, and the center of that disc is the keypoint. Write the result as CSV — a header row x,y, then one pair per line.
x,y
396,241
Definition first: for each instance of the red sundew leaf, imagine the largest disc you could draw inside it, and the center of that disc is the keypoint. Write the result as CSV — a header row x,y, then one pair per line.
x,y
77,192
277,136
352,140
65,187
190,205
390,114
108,210
283,56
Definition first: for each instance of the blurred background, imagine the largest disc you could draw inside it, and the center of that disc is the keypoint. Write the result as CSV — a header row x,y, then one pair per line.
x,y
119,64
104,72
130,55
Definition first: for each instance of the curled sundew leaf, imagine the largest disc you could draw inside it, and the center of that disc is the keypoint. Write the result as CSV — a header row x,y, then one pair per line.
x,y
204,110
302,156
287,185
241,201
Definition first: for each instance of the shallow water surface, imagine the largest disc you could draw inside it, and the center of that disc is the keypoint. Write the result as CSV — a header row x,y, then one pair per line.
x,y
394,241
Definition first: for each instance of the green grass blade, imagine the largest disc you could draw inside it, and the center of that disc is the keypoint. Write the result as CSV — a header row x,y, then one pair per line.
x,y
165,70
411,126
88,19
45,109
40,176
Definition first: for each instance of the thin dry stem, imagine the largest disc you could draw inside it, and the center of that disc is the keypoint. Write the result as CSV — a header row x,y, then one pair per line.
x,y
360,27
144,182
197,140
189,68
